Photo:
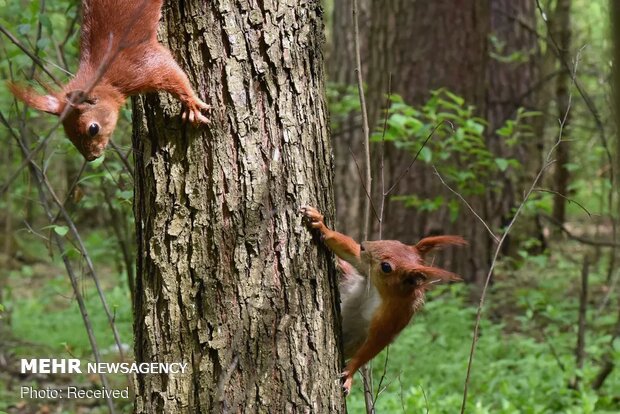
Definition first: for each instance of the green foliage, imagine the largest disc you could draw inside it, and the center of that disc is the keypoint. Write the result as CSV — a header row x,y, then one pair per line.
x,y
456,137
446,132
343,101
52,318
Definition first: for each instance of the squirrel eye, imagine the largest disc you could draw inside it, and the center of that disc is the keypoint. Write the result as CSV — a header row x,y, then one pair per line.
x,y
93,129
386,267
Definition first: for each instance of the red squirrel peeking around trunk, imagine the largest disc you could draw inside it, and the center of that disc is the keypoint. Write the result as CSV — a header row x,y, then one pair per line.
x,y
119,57
374,314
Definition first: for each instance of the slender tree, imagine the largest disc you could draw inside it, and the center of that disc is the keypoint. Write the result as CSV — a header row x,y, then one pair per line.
x,y
562,34
228,280
347,135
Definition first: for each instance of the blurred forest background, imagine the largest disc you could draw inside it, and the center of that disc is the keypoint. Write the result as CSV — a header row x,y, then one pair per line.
x,y
486,97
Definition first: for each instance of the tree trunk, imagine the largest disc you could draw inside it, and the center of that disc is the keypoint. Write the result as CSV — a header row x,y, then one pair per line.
x,y
445,44
347,136
228,280
561,175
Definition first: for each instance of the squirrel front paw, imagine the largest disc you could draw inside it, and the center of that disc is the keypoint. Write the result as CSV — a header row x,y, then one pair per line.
x,y
312,216
193,111
348,381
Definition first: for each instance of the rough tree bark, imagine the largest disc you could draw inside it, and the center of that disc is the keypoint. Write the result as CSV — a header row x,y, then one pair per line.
x,y
228,280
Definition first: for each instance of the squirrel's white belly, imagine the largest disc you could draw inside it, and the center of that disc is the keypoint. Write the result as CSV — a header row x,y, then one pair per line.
x,y
358,303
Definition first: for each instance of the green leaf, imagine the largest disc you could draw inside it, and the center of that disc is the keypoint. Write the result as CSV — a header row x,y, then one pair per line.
x,y
43,43
426,154
502,163
46,22
23,29
61,230
125,195
460,101
97,163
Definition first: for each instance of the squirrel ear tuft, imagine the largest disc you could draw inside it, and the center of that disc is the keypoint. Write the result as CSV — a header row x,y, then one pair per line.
x,y
45,103
429,243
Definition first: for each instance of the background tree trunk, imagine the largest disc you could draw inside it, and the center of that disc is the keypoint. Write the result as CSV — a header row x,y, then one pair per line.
x,y
446,45
563,83
228,279
347,136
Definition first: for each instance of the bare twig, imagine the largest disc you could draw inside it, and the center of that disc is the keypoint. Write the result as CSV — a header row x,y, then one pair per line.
x,y
425,399
488,279
44,183
40,182
400,177
31,55
117,221
382,166
366,190
486,226
599,125
365,127
591,242
555,354
570,200
383,375
72,187
368,182
123,158
548,162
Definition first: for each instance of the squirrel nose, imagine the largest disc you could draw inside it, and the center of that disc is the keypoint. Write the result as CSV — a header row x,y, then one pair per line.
x,y
362,247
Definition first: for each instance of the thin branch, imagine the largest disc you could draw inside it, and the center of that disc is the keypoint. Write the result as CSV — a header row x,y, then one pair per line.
x,y
591,242
359,174
383,375
32,56
555,354
486,226
425,399
400,177
123,158
39,181
382,166
599,125
42,179
570,200
72,187
365,127
500,244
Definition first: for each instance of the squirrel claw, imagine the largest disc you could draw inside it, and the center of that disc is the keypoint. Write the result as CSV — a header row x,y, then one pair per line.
x,y
348,381
193,112
312,214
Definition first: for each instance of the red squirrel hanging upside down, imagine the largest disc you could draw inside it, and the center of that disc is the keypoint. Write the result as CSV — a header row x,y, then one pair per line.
x,y
119,57
374,314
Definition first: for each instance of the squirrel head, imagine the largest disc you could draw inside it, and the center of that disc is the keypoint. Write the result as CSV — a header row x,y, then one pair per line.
x,y
88,119
399,270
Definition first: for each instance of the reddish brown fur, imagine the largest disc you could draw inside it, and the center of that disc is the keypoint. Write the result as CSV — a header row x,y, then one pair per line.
x,y
401,289
120,38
